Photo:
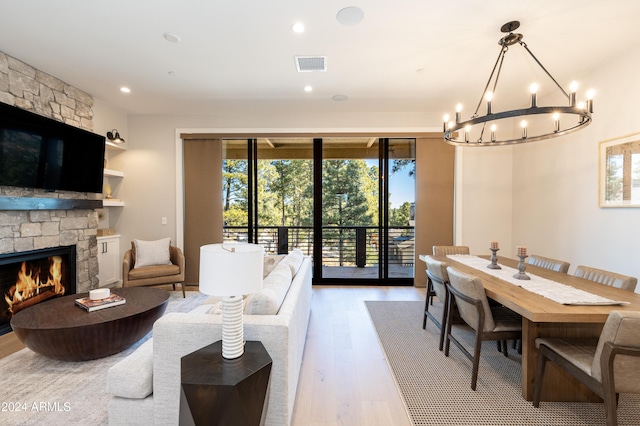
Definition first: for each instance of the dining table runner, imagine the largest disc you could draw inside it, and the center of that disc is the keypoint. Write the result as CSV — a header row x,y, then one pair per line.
x,y
553,290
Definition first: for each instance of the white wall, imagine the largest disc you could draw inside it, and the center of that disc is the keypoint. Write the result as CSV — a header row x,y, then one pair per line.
x,y
483,188
555,185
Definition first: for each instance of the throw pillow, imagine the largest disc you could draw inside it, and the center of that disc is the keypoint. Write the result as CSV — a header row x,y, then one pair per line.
x,y
150,253
270,263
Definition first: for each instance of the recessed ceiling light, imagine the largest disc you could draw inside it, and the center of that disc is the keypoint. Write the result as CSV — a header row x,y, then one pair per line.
x,y
125,90
350,15
340,98
171,38
308,88
298,27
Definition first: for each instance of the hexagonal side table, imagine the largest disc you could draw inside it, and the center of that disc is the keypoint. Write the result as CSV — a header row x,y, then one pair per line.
x,y
218,391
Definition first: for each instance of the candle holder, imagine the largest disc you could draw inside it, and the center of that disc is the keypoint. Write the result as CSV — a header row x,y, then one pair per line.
x,y
521,268
494,259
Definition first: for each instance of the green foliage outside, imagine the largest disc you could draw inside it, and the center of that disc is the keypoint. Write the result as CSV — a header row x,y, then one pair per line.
x,y
285,193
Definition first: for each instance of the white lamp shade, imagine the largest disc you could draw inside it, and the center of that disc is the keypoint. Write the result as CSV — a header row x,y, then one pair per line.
x,y
231,269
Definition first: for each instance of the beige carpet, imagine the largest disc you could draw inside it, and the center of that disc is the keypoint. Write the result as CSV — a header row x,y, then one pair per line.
x,y
35,390
437,391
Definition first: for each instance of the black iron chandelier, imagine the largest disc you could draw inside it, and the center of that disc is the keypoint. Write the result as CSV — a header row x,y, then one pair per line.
x,y
518,125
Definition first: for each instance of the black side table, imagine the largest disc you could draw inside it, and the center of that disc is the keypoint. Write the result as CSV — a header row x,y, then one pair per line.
x,y
218,391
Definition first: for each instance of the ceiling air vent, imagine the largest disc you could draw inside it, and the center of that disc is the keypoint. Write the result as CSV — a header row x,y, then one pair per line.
x,y
311,63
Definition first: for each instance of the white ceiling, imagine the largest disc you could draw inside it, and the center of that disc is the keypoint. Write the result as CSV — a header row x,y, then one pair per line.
x,y
238,56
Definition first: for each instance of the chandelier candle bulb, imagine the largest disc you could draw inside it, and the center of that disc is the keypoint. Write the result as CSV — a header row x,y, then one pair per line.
x,y
489,97
458,111
523,124
446,121
556,122
533,89
493,133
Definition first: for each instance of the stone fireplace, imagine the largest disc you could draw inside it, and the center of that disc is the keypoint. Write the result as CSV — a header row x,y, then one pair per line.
x,y
31,277
26,230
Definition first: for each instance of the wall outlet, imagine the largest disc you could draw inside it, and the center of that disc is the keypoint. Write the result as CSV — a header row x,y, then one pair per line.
x,y
164,220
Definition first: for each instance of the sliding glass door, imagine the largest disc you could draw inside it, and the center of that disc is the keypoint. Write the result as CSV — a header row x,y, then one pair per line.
x,y
347,202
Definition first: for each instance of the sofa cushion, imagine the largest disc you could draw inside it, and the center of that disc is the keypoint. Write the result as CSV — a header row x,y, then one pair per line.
x,y
294,260
270,263
149,253
133,376
153,271
267,300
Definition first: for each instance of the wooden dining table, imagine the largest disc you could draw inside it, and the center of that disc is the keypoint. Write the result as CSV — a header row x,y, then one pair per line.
x,y
542,317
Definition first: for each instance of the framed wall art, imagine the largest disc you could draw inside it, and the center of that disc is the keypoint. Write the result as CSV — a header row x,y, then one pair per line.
x,y
619,171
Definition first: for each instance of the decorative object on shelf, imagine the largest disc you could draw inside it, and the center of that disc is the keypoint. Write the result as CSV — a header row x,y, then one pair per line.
x,y
107,191
521,252
536,122
230,271
114,136
494,257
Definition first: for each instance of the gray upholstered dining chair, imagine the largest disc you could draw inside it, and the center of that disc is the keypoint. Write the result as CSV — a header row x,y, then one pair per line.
x,y
607,278
548,263
445,250
437,280
608,365
488,322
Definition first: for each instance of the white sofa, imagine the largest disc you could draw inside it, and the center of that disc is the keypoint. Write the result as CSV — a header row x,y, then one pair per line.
x,y
146,384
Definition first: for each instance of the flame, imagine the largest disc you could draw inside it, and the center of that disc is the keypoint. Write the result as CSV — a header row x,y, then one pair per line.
x,y
28,283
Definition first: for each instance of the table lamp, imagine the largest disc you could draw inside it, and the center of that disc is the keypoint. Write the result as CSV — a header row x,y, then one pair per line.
x,y
231,270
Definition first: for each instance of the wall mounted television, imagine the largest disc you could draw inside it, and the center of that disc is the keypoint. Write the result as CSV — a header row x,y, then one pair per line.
x,y
39,152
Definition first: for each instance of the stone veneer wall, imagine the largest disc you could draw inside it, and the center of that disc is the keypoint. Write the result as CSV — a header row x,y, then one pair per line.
x,y
20,230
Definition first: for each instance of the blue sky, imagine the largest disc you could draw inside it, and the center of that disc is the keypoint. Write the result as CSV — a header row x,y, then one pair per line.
x,y
401,186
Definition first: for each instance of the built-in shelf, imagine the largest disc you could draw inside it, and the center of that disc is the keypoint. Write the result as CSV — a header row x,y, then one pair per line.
x,y
112,203
111,145
113,173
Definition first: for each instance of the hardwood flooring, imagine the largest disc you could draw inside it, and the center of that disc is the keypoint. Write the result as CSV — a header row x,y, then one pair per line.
x,y
344,379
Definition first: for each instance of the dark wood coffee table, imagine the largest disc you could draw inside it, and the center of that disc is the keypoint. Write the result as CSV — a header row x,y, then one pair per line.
x,y
61,330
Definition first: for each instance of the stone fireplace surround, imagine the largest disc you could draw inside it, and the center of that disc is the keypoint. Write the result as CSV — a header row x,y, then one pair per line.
x,y
34,226
25,230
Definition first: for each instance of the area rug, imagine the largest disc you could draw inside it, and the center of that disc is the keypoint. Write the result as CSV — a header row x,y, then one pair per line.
x,y
437,389
35,390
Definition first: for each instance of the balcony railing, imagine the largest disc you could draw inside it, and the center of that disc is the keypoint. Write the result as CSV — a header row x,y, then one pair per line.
x,y
341,246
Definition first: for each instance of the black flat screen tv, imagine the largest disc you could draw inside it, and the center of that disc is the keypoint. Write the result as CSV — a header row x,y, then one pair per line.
x,y
39,152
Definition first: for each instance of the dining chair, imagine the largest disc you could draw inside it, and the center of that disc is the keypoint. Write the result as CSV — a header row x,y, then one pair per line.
x,y
548,263
608,365
607,278
488,322
437,279
445,250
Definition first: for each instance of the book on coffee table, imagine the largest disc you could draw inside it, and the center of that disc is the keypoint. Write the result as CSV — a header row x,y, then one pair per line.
x,y
94,305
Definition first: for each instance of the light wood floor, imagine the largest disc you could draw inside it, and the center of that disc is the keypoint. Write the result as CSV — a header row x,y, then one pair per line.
x,y
344,379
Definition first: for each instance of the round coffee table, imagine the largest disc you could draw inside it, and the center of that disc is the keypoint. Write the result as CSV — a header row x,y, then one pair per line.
x,y
61,330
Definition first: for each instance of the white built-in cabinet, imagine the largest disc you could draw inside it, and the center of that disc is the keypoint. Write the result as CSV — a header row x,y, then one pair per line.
x,y
109,261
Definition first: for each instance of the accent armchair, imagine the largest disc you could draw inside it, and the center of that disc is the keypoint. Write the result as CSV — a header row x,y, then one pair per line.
x,y
150,275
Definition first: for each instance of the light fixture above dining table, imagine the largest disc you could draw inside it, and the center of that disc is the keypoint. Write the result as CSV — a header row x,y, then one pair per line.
x,y
515,126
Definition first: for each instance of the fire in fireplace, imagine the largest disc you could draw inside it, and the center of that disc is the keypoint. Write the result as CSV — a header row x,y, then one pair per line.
x,y
32,277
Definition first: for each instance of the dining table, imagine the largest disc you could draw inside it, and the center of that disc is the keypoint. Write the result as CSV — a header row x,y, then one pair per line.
x,y
543,317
